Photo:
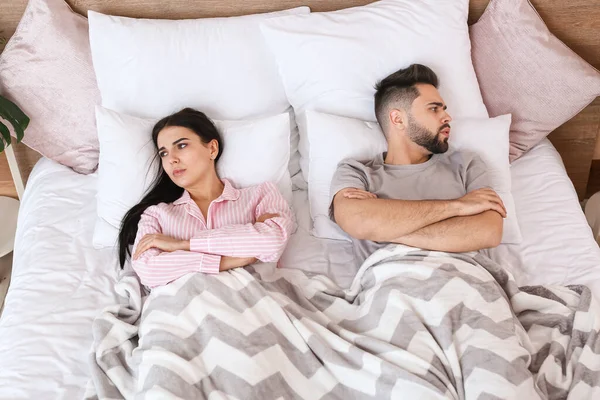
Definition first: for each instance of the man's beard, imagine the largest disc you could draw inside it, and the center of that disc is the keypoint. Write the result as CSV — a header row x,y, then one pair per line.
x,y
422,136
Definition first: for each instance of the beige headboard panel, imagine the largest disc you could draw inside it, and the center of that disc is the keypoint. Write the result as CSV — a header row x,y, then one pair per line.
x,y
575,22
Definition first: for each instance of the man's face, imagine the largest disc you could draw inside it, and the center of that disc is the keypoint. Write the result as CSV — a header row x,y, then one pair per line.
x,y
428,122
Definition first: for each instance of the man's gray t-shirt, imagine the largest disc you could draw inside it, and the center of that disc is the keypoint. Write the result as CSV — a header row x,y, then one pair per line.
x,y
445,176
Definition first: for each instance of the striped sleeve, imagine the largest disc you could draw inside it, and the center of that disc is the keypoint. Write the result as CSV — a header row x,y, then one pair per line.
x,y
156,267
262,240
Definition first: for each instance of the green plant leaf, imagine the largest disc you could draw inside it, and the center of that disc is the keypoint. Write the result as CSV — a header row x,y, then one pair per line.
x,y
4,137
13,114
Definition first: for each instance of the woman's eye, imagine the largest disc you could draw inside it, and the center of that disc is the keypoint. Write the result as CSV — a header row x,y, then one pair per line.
x,y
182,145
162,154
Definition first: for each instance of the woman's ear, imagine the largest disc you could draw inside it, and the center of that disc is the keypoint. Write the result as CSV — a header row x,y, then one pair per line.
x,y
214,149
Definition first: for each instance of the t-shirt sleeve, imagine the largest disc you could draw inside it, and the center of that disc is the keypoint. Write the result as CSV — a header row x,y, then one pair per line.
x,y
349,174
478,175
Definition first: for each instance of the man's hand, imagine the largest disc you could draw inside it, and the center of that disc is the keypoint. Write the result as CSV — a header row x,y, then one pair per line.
x,y
473,203
365,216
161,242
458,234
353,193
479,201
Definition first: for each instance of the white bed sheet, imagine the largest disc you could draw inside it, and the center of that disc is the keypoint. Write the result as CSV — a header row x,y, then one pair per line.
x,y
60,282
558,245
334,258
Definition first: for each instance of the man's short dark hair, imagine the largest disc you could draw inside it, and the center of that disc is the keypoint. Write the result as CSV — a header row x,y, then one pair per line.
x,y
399,89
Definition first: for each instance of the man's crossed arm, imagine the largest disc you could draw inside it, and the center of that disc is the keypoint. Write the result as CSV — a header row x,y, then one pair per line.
x,y
472,222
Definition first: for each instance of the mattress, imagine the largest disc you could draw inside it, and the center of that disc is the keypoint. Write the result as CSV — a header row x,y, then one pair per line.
x,y
60,282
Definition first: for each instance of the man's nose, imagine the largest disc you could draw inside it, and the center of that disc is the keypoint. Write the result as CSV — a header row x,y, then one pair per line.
x,y
447,118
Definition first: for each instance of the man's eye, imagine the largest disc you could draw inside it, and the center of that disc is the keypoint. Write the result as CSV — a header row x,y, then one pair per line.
x,y
434,109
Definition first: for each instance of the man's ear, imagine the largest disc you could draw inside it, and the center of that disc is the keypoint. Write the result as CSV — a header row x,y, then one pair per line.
x,y
398,118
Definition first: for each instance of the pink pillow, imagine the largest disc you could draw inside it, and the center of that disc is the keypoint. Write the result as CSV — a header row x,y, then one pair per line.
x,y
526,71
46,68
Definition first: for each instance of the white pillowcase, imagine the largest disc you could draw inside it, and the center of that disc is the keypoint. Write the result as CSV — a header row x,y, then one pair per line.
x,y
330,62
256,151
333,138
221,66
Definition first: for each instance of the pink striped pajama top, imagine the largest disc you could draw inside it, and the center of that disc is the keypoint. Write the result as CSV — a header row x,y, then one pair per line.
x,y
230,229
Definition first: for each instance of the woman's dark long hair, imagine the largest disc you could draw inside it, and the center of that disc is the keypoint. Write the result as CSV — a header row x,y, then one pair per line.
x,y
163,190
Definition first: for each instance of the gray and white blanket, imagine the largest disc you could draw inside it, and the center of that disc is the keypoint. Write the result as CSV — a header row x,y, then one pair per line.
x,y
413,325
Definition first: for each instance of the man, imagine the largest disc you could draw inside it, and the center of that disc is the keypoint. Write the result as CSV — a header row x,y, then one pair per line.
x,y
417,193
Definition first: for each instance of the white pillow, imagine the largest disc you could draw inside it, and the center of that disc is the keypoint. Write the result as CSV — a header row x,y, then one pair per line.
x,y
330,62
221,66
333,138
256,151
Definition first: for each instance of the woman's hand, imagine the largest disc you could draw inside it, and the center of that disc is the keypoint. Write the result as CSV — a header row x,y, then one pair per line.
x,y
265,217
235,262
161,242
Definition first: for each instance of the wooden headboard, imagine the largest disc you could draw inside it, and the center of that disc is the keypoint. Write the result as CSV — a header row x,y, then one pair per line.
x,y
575,22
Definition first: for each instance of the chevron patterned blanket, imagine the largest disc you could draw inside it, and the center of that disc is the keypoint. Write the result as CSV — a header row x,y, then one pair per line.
x,y
413,325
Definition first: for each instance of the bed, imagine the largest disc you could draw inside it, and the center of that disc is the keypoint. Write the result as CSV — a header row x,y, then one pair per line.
x,y
60,282
68,329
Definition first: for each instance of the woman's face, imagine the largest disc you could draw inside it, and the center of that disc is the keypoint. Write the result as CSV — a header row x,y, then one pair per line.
x,y
185,158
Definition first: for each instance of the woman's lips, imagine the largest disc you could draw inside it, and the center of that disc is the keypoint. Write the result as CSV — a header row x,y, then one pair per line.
x,y
178,172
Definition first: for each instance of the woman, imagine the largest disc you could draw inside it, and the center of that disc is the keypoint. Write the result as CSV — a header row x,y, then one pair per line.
x,y
192,221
